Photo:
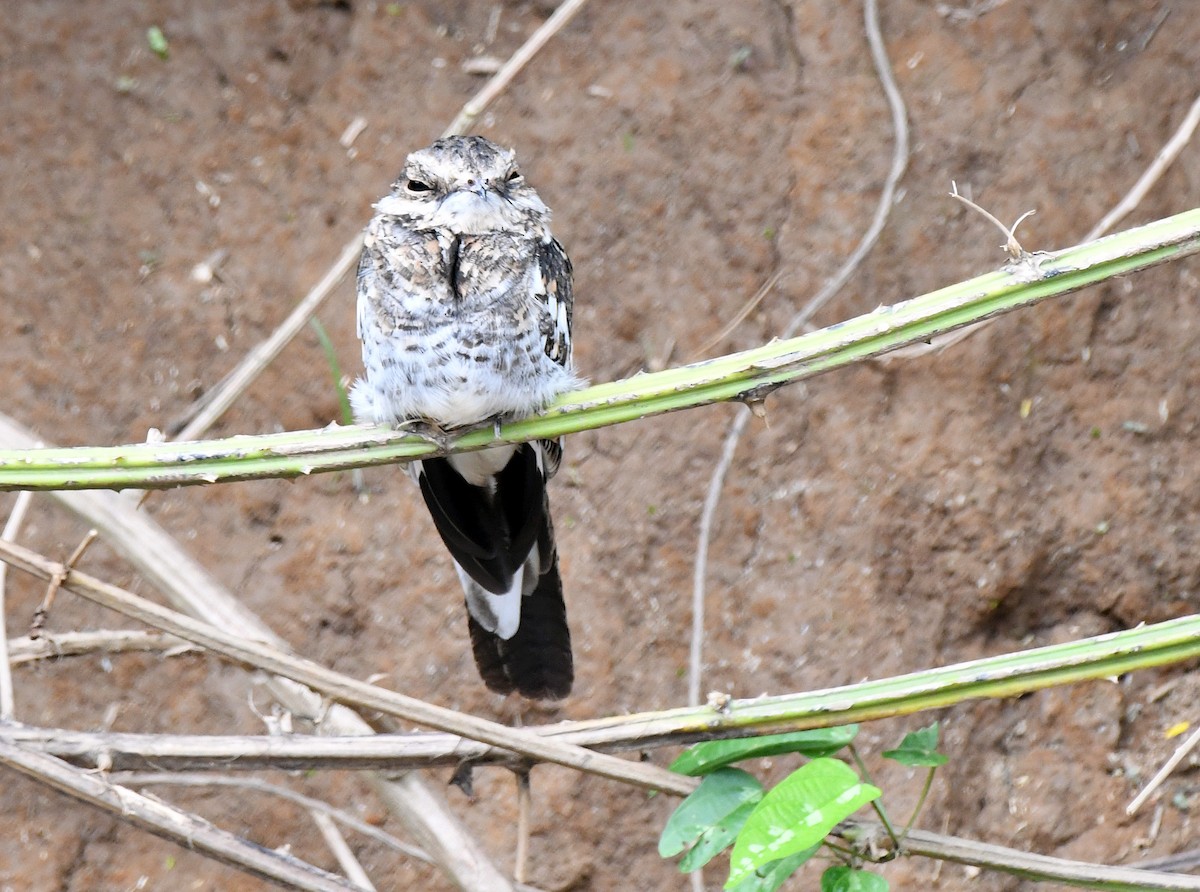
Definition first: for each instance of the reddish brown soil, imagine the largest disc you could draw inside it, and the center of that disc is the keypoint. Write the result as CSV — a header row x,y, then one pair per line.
x,y
889,519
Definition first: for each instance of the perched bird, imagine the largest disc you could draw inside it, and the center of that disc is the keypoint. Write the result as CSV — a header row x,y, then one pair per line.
x,y
464,313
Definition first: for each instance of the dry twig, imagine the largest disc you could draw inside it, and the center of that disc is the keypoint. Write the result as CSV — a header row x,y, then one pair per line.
x,y
106,641
1163,773
257,785
341,849
500,81
1024,864
524,797
1164,159
15,518
186,829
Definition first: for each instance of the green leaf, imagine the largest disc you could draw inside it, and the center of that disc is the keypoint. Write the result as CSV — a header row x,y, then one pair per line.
x,y
705,758
716,838
849,879
157,42
797,815
771,876
919,749
714,801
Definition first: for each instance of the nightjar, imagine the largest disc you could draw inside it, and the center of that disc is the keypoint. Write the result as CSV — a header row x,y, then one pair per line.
x,y
464,313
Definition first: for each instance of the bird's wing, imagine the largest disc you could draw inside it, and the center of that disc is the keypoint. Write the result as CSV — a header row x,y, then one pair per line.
x,y
556,294
553,289
490,530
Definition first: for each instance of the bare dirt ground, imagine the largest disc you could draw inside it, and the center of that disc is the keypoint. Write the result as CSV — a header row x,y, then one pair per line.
x,y
889,518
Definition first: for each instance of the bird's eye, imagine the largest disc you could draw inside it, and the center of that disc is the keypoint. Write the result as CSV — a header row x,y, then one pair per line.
x,y
416,187
514,176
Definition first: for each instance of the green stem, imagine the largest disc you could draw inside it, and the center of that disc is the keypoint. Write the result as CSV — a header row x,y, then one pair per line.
x,y
849,856
747,376
876,805
917,809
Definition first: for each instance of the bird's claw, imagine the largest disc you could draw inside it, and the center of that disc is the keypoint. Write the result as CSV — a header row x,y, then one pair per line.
x,y
442,438
427,431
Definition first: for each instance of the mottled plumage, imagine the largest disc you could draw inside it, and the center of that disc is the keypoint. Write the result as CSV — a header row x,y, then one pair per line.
x,y
464,312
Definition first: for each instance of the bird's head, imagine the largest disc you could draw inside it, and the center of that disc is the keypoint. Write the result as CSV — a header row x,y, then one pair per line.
x,y
466,185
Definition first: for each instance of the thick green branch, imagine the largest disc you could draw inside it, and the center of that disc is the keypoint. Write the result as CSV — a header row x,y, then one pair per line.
x,y
747,375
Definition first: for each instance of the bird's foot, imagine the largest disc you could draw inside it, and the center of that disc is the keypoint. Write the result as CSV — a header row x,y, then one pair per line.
x,y
429,431
492,424
441,437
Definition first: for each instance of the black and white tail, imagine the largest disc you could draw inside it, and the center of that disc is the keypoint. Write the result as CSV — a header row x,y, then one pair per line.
x,y
491,510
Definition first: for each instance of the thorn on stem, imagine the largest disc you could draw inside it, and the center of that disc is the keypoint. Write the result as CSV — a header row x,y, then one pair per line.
x,y
464,778
755,400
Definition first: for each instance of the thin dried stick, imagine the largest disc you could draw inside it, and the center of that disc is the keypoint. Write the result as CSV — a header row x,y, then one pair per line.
x,y
142,778
105,641
1011,246
1164,159
716,483
737,320
883,209
344,689
43,610
1023,864
711,499
341,850
520,863
313,805
181,827
1163,773
500,80
11,526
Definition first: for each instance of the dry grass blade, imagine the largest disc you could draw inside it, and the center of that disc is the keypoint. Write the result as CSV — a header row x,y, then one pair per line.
x,y
740,316
188,830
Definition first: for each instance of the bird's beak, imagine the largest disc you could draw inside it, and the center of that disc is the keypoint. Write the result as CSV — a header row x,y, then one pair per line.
x,y
470,211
